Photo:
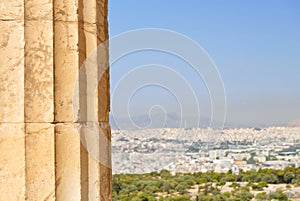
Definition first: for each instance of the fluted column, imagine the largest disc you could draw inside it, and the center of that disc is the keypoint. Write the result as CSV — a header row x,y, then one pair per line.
x,y
43,44
12,136
38,107
79,29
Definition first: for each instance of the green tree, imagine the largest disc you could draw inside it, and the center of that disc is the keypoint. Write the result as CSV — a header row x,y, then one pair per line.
x,y
270,179
244,195
221,184
180,198
165,174
235,185
278,195
144,197
297,180
288,177
262,196
260,186
182,187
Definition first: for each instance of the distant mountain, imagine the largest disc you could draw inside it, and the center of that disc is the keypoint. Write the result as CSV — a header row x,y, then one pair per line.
x,y
294,123
144,121
158,121
174,121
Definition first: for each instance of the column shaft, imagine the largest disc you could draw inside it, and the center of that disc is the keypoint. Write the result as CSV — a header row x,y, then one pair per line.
x,y
12,154
77,29
43,44
39,110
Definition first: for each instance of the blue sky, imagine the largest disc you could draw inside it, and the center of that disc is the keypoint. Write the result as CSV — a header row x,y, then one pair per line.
x,y
255,45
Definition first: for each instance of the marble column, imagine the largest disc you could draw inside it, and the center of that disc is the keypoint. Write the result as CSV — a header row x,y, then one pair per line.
x,y
43,44
38,102
12,133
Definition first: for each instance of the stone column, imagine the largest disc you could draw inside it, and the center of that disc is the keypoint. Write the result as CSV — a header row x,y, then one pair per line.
x,y
79,27
43,44
12,136
39,127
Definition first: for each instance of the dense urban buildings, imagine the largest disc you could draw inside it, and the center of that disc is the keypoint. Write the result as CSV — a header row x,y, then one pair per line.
x,y
197,149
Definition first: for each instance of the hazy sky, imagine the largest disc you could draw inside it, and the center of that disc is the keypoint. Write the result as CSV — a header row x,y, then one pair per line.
x,y
254,44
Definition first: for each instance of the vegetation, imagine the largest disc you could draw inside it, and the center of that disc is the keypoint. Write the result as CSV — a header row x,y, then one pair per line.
x,y
164,186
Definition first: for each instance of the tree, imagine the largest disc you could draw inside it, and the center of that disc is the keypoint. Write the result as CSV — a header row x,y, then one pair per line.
x,y
244,195
288,177
180,198
234,185
165,174
260,186
262,196
116,187
182,187
278,195
221,183
270,178
126,189
297,180
144,197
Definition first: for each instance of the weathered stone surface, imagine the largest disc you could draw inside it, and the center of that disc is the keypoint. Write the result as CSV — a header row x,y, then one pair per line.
x,y
12,71
66,69
96,85
100,175
103,62
102,13
96,139
105,166
105,183
92,12
39,71
66,74
79,11
88,72
12,166
88,32
38,9
11,9
88,12
68,168
66,36
71,55
46,160
84,171
104,98
66,10
83,164
94,179
102,34
40,161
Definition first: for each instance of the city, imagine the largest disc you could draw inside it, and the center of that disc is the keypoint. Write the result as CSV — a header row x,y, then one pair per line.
x,y
203,150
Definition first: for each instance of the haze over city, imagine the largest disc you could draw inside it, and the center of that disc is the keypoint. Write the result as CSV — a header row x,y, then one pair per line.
x,y
254,44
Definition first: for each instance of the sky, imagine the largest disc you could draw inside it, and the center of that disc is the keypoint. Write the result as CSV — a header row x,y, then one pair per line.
x,y
255,46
